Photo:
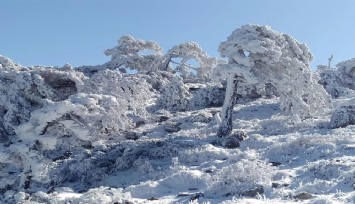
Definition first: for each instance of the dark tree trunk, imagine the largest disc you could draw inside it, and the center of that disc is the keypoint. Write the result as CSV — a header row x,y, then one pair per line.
x,y
165,63
226,125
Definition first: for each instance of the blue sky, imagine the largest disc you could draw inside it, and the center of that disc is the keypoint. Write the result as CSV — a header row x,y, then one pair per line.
x,y
49,32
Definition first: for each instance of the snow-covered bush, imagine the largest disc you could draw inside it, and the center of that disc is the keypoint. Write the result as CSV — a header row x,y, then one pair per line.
x,y
24,90
83,114
60,127
180,96
248,92
348,68
241,178
175,96
51,111
343,116
102,195
205,95
158,79
132,91
340,81
257,53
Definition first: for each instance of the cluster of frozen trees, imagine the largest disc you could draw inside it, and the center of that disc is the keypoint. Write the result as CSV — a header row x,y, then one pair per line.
x,y
46,111
338,81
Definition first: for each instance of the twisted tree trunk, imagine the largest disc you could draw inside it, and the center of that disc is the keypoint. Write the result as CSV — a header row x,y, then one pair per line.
x,y
226,125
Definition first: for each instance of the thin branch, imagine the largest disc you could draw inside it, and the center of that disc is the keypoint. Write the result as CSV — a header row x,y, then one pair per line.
x,y
191,67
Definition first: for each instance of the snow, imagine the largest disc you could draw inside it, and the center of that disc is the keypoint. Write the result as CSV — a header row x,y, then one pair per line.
x,y
312,159
73,136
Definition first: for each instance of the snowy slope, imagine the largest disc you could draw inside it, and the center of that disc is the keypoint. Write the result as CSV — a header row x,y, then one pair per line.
x,y
288,162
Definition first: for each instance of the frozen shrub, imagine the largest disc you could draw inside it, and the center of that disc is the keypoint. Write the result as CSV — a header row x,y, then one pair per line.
x,y
179,96
158,79
205,95
25,90
175,96
241,177
155,149
132,91
343,116
83,114
340,81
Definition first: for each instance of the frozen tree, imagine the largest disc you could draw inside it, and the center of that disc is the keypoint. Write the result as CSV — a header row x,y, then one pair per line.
x,y
147,57
347,67
175,95
330,59
339,81
188,51
257,53
131,53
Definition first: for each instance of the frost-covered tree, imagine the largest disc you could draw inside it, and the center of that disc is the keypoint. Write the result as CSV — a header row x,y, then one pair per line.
x,y
260,54
347,67
131,53
188,51
339,81
176,95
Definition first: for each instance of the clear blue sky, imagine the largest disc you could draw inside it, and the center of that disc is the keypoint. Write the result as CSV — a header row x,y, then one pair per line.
x,y
49,32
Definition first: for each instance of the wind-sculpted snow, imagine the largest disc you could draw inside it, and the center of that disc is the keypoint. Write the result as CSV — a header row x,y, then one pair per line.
x,y
94,134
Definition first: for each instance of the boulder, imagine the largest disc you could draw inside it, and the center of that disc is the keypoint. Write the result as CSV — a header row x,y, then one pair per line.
x,y
203,117
253,192
233,141
303,196
172,127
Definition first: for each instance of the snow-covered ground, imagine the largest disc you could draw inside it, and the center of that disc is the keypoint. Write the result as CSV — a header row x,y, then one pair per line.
x,y
180,160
